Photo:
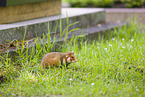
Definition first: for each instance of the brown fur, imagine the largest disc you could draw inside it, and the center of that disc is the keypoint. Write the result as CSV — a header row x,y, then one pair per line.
x,y
57,59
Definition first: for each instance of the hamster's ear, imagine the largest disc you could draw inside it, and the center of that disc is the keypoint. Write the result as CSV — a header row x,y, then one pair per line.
x,y
72,52
68,53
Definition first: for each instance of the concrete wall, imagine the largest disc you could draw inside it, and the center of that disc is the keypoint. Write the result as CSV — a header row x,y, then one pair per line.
x,y
29,11
125,14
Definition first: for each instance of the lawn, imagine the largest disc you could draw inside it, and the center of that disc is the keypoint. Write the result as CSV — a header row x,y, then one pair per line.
x,y
113,66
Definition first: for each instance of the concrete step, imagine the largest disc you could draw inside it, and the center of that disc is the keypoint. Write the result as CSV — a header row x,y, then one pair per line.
x,y
37,27
125,14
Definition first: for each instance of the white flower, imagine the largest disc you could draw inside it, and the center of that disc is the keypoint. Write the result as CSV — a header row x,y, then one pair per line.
x,y
100,92
135,86
130,46
132,40
70,79
110,44
105,49
137,90
99,25
123,47
92,52
113,38
123,39
92,84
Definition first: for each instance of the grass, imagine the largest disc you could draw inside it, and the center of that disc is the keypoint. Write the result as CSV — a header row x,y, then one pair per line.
x,y
112,66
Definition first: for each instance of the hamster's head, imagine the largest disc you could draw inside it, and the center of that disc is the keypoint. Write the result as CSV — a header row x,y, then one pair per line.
x,y
71,57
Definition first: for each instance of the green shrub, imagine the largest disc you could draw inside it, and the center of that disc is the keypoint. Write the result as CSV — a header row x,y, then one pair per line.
x,y
91,3
104,3
133,3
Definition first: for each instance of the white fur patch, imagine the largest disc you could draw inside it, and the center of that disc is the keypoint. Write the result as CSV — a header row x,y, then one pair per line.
x,y
68,60
64,61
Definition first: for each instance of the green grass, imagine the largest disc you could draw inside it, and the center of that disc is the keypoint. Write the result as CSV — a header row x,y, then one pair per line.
x,y
113,66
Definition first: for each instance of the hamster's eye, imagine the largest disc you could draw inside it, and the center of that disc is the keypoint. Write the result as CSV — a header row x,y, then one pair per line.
x,y
72,57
